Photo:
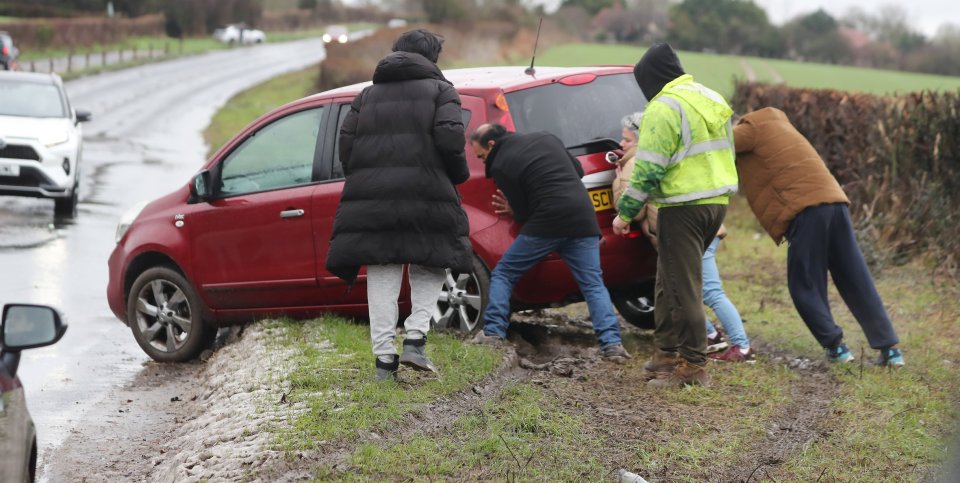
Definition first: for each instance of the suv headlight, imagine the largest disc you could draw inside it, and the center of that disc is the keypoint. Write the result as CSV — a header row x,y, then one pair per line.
x,y
128,218
54,137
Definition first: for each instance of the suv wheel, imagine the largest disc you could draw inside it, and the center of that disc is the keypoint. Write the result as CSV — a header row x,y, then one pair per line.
x,y
67,206
165,316
636,305
463,299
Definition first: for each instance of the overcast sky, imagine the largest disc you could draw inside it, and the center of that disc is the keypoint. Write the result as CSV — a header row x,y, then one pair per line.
x,y
924,15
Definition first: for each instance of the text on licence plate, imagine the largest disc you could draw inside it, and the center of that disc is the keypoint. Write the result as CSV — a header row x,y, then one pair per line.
x,y
602,199
9,170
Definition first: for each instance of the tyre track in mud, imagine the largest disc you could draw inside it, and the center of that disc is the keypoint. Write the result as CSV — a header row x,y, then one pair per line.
x,y
795,426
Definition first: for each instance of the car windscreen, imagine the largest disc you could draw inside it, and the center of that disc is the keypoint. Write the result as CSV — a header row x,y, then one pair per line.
x,y
29,99
577,114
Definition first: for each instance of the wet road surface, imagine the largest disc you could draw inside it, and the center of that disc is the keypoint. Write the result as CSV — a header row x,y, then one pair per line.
x,y
145,141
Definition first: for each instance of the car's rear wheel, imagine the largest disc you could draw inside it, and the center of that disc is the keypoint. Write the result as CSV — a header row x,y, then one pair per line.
x,y
67,206
636,306
463,300
164,314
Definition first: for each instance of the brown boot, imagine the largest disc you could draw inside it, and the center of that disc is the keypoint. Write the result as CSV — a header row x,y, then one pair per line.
x,y
685,374
661,363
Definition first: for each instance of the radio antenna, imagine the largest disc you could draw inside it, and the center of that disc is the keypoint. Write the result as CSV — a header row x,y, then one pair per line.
x,y
530,70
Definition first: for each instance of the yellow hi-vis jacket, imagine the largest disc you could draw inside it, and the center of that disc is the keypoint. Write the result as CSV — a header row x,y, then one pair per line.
x,y
685,152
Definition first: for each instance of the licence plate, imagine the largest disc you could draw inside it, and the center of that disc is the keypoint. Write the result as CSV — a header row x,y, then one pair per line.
x,y
602,199
9,170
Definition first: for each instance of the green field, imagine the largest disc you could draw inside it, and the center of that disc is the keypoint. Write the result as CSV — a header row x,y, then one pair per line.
x,y
719,71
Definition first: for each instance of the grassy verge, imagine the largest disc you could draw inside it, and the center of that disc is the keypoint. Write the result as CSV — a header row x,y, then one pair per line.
x,y
333,379
252,103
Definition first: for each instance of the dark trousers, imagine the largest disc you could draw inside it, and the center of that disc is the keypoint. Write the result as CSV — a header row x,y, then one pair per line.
x,y
684,233
821,239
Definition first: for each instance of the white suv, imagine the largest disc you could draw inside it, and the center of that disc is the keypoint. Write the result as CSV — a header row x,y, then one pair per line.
x,y
40,140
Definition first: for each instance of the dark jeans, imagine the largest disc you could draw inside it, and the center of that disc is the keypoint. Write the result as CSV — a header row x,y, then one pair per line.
x,y
684,233
582,256
821,239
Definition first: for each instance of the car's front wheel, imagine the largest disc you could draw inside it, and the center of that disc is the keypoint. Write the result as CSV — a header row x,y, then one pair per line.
x,y
67,206
164,314
636,305
463,299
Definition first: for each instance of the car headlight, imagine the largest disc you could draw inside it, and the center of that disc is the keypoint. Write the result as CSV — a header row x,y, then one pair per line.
x,y
327,38
54,137
128,218
343,39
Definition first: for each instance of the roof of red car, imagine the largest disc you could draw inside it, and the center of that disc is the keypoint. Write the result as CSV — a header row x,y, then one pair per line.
x,y
507,78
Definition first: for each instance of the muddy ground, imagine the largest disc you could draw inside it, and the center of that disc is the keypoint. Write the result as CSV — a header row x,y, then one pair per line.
x,y
210,420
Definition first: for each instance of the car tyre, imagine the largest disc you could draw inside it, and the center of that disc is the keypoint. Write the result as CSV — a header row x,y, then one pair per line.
x,y
636,306
67,206
463,300
164,313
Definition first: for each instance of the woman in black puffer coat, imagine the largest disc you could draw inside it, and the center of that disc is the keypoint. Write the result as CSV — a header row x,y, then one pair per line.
x,y
401,146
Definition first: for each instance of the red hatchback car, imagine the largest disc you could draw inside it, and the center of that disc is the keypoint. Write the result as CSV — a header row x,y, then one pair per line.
x,y
247,237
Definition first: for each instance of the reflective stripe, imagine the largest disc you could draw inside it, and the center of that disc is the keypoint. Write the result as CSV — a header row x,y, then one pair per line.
x,y
729,189
635,194
652,157
714,145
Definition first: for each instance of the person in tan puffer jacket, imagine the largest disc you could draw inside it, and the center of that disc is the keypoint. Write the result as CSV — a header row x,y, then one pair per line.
x,y
794,196
738,348
647,217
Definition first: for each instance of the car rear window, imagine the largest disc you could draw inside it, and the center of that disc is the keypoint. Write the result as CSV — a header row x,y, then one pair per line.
x,y
577,114
30,99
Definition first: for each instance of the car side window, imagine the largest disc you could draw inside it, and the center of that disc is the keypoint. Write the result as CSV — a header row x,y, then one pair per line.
x,y
280,155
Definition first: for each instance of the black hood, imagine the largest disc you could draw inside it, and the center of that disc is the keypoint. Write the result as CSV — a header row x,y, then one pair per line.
x,y
402,66
658,67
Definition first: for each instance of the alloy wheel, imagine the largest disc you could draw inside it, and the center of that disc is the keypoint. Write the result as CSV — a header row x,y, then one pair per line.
x,y
460,304
164,315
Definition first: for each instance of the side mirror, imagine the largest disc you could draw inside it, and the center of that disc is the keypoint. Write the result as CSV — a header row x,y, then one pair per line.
x,y
201,187
84,116
28,326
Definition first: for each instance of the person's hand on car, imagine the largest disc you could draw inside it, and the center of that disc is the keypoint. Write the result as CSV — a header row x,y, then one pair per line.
x,y
620,227
500,204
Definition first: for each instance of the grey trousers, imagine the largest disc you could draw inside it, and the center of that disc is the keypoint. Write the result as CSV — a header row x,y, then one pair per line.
x,y
383,290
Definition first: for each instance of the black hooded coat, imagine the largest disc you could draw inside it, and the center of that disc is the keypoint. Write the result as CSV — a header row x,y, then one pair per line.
x,y
658,67
401,147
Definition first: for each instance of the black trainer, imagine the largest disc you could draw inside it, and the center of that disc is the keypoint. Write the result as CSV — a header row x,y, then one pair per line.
x,y
415,355
387,371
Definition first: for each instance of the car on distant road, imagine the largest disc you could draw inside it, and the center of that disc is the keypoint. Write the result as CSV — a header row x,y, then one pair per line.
x,y
41,140
396,23
239,34
22,327
247,236
8,52
336,33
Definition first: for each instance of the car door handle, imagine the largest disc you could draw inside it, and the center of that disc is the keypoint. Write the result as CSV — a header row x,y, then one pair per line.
x,y
291,213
